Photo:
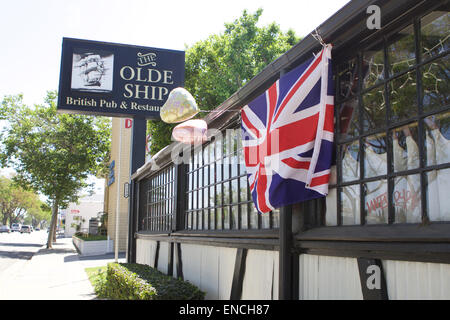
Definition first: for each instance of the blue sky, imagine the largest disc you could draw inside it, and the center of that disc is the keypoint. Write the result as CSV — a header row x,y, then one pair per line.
x,y
31,31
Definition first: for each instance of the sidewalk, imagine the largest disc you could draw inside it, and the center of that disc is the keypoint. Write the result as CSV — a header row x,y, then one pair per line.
x,y
52,274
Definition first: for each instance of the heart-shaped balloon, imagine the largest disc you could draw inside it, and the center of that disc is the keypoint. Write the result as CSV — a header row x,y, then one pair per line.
x,y
191,131
180,106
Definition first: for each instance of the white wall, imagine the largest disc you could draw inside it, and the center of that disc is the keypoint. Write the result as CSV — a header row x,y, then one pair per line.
x,y
323,277
88,207
334,278
163,258
320,277
145,252
261,275
417,280
210,268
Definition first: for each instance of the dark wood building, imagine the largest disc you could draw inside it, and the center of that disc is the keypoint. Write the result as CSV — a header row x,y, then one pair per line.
x,y
383,232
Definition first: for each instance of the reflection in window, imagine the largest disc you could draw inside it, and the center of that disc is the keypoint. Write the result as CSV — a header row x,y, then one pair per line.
x,y
401,52
348,119
350,205
436,84
435,33
375,162
407,199
373,66
415,90
374,115
405,149
331,200
376,202
438,200
331,212
403,97
437,139
348,79
350,161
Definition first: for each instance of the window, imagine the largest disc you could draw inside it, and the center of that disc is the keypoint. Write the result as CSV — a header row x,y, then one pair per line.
x,y
218,194
393,135
159,212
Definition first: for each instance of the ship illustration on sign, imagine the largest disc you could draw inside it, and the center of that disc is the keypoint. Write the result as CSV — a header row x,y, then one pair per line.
x,y
92,71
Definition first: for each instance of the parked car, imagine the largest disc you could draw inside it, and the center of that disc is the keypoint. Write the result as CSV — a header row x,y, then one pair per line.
x,y
16,227
26,229
5,229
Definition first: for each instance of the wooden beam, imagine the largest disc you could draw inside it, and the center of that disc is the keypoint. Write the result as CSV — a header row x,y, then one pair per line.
x,y
170,259
285,254
155,263
238,276
179,260
373,281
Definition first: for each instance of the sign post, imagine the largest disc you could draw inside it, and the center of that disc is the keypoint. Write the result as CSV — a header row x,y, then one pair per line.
x,y
117,80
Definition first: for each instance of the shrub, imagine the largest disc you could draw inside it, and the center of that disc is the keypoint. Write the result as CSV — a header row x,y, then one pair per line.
x,y
90,237
132,281
97,277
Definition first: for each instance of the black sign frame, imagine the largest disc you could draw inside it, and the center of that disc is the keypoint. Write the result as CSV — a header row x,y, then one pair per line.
x,y
117,80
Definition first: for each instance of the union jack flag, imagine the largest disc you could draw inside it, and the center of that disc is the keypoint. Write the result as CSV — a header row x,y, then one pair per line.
x,y
287,135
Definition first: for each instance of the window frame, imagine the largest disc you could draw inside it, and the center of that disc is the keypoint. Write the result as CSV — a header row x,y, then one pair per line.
x,y
388,127
164,178
272,217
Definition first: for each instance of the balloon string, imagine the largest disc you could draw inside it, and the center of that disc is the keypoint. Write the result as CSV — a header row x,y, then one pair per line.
x,y
317,36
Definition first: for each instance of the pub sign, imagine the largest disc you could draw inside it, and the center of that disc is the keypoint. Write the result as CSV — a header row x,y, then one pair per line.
x,y
117,80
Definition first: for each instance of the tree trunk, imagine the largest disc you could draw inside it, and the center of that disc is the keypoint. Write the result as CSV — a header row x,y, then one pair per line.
x,y
5,219
52,224
55,227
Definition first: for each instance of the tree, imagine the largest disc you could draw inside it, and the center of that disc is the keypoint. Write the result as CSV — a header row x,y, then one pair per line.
x,y
52,153
38,213
16,203
220,65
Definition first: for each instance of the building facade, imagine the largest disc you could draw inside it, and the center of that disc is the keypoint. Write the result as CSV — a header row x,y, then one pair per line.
x,y
114,184
78,214
383,231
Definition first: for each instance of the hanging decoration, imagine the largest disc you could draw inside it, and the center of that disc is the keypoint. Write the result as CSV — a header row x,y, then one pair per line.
x,y
191,131
180,106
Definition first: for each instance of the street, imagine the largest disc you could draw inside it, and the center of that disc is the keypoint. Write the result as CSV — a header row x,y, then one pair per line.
x,y
29,271
15,247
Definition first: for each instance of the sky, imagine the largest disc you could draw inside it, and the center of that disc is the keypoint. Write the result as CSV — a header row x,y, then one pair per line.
x,y
31,31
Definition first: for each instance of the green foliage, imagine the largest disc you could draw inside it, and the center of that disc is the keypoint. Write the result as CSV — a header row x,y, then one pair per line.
x,y
17,204
89,237
220,65
97,277
51,152
130,281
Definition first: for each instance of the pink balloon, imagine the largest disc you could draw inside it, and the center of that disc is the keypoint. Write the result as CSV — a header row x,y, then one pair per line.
x,y
191,131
